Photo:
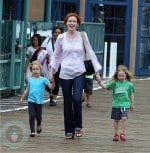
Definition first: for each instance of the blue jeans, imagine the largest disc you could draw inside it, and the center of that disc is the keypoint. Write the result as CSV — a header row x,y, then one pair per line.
x,y
72,93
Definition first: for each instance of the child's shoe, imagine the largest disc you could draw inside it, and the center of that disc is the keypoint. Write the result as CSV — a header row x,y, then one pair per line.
x,y
32,134
39,129
116,137
122,137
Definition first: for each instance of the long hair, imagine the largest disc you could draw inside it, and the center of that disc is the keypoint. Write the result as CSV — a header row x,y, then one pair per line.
x,y
38,36
123,68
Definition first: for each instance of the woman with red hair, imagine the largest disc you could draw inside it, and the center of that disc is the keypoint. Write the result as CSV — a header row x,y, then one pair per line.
x,y
69,52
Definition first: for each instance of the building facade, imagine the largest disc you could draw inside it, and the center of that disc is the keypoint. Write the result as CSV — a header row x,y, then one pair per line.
x,y
127,22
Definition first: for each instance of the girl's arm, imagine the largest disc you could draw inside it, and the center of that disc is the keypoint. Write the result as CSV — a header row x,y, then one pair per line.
x,y
102,84
132,102
24,95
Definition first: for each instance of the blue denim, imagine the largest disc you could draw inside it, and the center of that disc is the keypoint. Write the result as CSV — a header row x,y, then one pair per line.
x,y
72,93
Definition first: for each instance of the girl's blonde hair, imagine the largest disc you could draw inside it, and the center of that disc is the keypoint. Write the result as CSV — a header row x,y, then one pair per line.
x,y
124,69
36,63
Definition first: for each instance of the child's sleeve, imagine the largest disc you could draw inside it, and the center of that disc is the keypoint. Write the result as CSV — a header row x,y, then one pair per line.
x,y
110,85
131,89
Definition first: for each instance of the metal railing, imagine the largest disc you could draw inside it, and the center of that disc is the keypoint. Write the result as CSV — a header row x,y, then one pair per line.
x,y
12,63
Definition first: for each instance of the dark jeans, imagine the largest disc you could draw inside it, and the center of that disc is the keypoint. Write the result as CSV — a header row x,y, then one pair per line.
x,y
56,78
72,93
35,112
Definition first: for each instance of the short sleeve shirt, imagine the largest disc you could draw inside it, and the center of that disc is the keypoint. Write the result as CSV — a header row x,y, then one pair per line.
x,y
37,89
30,51
121,93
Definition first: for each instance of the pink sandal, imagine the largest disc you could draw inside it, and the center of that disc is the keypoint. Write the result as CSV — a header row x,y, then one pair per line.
x,y
116,137
122,137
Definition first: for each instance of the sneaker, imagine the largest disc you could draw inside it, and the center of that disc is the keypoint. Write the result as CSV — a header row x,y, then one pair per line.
x,y
116,137
32,134
53,103
69,136
122,137
39,129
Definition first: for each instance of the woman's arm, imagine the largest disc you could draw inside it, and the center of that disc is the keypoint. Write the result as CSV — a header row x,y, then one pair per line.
x,y
57,55
96,64
98,77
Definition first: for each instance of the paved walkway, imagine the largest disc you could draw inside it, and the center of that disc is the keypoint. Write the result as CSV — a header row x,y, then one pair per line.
x,y
97,130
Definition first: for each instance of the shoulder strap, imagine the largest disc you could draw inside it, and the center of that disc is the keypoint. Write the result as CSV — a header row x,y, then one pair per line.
x,y
48,40
86,52
34,56
52,41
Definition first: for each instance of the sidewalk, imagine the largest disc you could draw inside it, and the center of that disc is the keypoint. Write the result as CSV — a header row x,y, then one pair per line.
x,y
97,128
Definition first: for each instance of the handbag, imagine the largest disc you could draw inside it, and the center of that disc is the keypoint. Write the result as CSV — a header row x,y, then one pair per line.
x,y
87,60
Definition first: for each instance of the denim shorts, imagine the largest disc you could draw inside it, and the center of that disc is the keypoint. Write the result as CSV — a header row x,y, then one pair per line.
x,y
119,113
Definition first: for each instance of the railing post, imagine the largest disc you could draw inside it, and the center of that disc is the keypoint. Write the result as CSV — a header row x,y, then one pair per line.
x,y
113,58
105,60
47,10
25,19
1,9
12,62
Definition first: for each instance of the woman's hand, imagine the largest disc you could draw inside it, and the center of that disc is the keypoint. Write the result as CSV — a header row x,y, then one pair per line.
x,y
98,77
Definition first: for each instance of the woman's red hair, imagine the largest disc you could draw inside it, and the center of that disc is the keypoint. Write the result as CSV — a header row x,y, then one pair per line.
x,y
72,14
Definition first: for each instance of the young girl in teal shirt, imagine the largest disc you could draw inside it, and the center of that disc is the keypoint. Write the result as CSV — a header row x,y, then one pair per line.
x,y
35,91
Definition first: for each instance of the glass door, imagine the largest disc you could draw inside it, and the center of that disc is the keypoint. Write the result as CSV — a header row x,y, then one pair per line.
x,y
143,39
116,14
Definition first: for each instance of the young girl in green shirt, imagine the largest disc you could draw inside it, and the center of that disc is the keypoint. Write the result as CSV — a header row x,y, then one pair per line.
x,y
123,99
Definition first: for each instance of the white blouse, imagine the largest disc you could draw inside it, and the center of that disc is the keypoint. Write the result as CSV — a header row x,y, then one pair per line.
x,y
70,54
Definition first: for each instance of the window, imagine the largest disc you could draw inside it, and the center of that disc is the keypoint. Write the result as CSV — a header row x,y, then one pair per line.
x,y
147,1
61,9
114,17
145,39
9,7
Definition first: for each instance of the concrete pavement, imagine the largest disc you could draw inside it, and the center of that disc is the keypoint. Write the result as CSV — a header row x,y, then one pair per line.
x,y
97,127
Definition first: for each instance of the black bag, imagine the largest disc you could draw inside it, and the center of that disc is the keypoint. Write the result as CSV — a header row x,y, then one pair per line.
x,y
89,67
87,61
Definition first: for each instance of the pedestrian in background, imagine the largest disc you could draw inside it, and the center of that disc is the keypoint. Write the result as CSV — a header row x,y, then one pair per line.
x,y
88,89
35,91
69,53
49,45
36,42
123,99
